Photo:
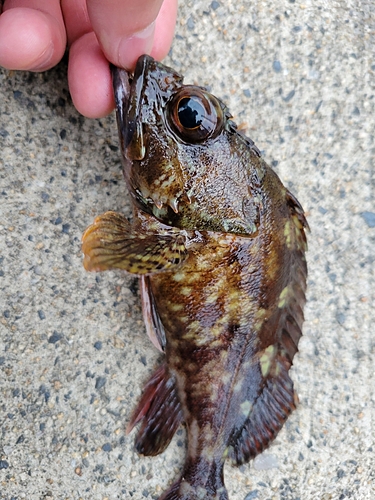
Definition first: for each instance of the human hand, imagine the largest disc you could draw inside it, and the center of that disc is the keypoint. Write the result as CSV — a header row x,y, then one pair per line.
x,y
34,34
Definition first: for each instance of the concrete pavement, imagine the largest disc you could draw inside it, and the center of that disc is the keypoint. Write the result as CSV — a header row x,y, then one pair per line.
x,y
299,76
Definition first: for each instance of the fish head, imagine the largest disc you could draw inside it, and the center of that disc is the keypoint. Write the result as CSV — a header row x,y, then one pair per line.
x,y
184,160
151,171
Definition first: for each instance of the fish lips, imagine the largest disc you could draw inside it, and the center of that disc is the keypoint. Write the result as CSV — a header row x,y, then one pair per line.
x,y
128,90
121,81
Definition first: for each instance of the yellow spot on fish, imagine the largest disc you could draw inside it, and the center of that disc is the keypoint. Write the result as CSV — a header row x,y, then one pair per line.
x,y
288,234
266,359
176,307
194,326
179,276
283,298
216,343
188,335
203,340
220,326
246,408
226,377
260,313
224,355
260,316
238,385
297,222
211,299
192,277
186,290
277,370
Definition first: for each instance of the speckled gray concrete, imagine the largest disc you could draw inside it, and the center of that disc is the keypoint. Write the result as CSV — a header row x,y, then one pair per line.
x,y
73,350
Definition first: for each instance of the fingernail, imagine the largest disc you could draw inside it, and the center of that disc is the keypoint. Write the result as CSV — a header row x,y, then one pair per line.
x,y
132,47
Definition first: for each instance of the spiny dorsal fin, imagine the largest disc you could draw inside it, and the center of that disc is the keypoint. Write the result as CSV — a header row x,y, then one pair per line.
x,y
277,398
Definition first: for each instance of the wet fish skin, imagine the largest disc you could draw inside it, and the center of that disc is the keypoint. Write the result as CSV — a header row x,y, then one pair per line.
x,y
220,246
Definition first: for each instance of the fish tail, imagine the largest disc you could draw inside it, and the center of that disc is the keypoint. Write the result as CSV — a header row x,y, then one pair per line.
x,y
181,490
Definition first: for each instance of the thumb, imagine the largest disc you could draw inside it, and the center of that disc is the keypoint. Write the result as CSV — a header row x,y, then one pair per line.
x,y
126,28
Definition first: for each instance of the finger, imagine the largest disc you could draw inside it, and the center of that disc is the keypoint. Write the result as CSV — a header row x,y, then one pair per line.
x,y
125,28
33,37
89,78
164,29
77,21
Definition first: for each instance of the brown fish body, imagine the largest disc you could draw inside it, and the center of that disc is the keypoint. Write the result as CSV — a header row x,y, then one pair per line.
x,y
219,243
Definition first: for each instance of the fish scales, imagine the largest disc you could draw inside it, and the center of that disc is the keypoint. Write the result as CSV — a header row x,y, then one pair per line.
x,y
219,244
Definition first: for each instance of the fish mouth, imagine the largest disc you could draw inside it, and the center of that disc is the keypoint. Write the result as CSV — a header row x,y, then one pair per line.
x,y
127,88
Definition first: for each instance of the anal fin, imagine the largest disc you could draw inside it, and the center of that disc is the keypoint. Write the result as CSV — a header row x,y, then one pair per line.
x,y
160,413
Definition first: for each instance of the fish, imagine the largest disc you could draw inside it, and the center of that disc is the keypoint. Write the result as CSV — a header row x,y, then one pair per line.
x,y
219,245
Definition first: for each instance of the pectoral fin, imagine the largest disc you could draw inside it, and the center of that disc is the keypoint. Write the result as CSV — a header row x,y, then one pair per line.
x,y
111,243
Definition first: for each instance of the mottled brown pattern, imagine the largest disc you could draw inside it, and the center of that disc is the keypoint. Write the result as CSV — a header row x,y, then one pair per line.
x,y
221,243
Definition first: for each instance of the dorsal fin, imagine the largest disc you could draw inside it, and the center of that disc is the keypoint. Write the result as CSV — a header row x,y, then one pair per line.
x,y
277,398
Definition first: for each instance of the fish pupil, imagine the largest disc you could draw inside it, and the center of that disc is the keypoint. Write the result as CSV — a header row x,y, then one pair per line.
x,y
190,113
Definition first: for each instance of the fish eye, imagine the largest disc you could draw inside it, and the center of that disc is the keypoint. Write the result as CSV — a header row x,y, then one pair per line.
x,y
194,115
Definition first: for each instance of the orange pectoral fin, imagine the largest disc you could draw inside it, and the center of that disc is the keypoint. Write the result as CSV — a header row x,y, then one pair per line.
x,y
111,243
103,242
